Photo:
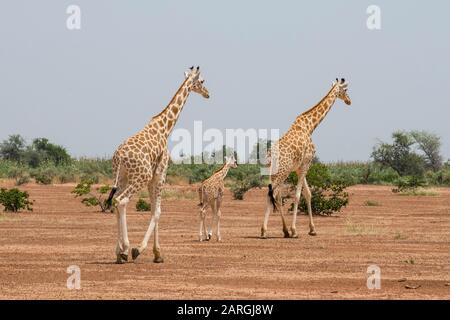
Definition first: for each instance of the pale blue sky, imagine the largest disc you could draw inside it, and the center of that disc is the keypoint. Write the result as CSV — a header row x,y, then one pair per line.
x,y
264,63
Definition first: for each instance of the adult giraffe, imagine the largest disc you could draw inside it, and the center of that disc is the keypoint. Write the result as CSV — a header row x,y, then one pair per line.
x,y
141,161
294,152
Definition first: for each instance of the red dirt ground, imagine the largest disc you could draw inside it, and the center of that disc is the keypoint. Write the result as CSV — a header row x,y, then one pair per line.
x,y
407,237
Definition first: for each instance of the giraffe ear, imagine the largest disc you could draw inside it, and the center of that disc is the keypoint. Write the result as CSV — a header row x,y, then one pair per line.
x,y
186,74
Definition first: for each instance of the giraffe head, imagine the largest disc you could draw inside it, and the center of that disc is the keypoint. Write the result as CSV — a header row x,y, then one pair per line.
x,y
341,93
197,84
231,161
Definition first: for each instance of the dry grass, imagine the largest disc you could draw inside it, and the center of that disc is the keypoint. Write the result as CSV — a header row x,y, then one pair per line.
x,y
172,194
400,236
179,194
361,229
372,203
425,192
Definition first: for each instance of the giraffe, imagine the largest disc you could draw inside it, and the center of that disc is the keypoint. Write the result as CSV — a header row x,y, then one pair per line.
x,y
294,151
142,160
210,195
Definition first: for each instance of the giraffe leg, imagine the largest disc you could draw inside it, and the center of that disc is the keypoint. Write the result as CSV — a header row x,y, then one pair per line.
x,y
119,246
269,208
298,192
307,195
202,224
283,221
156,247
218,215
207,234
123,244
215,219
155,189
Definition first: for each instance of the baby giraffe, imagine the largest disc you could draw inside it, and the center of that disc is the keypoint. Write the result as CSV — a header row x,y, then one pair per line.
x,y
210,195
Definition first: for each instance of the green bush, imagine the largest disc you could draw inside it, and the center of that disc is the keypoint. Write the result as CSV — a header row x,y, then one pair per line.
x,y
327,196
244,178
142,205
409,184
44,175
327,199
66,177
90,198
14,200
238,190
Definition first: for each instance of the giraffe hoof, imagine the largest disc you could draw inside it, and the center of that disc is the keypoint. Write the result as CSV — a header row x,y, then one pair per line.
x,y
286,234
122,258
208,237
263,234
294,235
158,259
135,253
312,233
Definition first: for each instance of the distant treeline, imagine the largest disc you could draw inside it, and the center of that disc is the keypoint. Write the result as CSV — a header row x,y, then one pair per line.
x,y
414,153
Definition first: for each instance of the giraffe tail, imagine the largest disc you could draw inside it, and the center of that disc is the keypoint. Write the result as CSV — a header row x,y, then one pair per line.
x,y
200,196
108,202
272,198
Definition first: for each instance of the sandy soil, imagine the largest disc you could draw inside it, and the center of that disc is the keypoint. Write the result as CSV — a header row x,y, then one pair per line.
x,y
407,237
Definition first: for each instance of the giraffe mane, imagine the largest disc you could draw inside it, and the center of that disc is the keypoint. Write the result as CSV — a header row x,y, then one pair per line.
x,y
173,99
313,107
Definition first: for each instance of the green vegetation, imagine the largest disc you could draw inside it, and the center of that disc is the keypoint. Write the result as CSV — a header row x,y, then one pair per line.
x,y
411,154
142,205
14,200
328,195
91,198
244,178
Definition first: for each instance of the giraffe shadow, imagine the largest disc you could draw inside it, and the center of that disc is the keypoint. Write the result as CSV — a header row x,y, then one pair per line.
x,y
259,238
109,262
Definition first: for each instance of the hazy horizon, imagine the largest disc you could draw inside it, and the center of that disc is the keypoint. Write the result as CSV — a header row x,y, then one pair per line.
x,y
264,63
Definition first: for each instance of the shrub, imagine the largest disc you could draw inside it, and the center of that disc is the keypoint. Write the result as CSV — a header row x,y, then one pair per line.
x,y
327,196
66,177
326,199
246,179
408,184
44,175
22,179
91,178
91,199
142,205
238,190
14,200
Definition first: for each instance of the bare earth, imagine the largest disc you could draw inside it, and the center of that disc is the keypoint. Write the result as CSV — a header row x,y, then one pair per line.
x,y
407,237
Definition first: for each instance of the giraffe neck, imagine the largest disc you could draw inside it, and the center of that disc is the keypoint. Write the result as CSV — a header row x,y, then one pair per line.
x,y
167,118
313,117
223,171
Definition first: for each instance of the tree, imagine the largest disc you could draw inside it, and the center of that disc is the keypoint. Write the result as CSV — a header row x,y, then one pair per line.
x,y
400,155
13,148
51,152
430,145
